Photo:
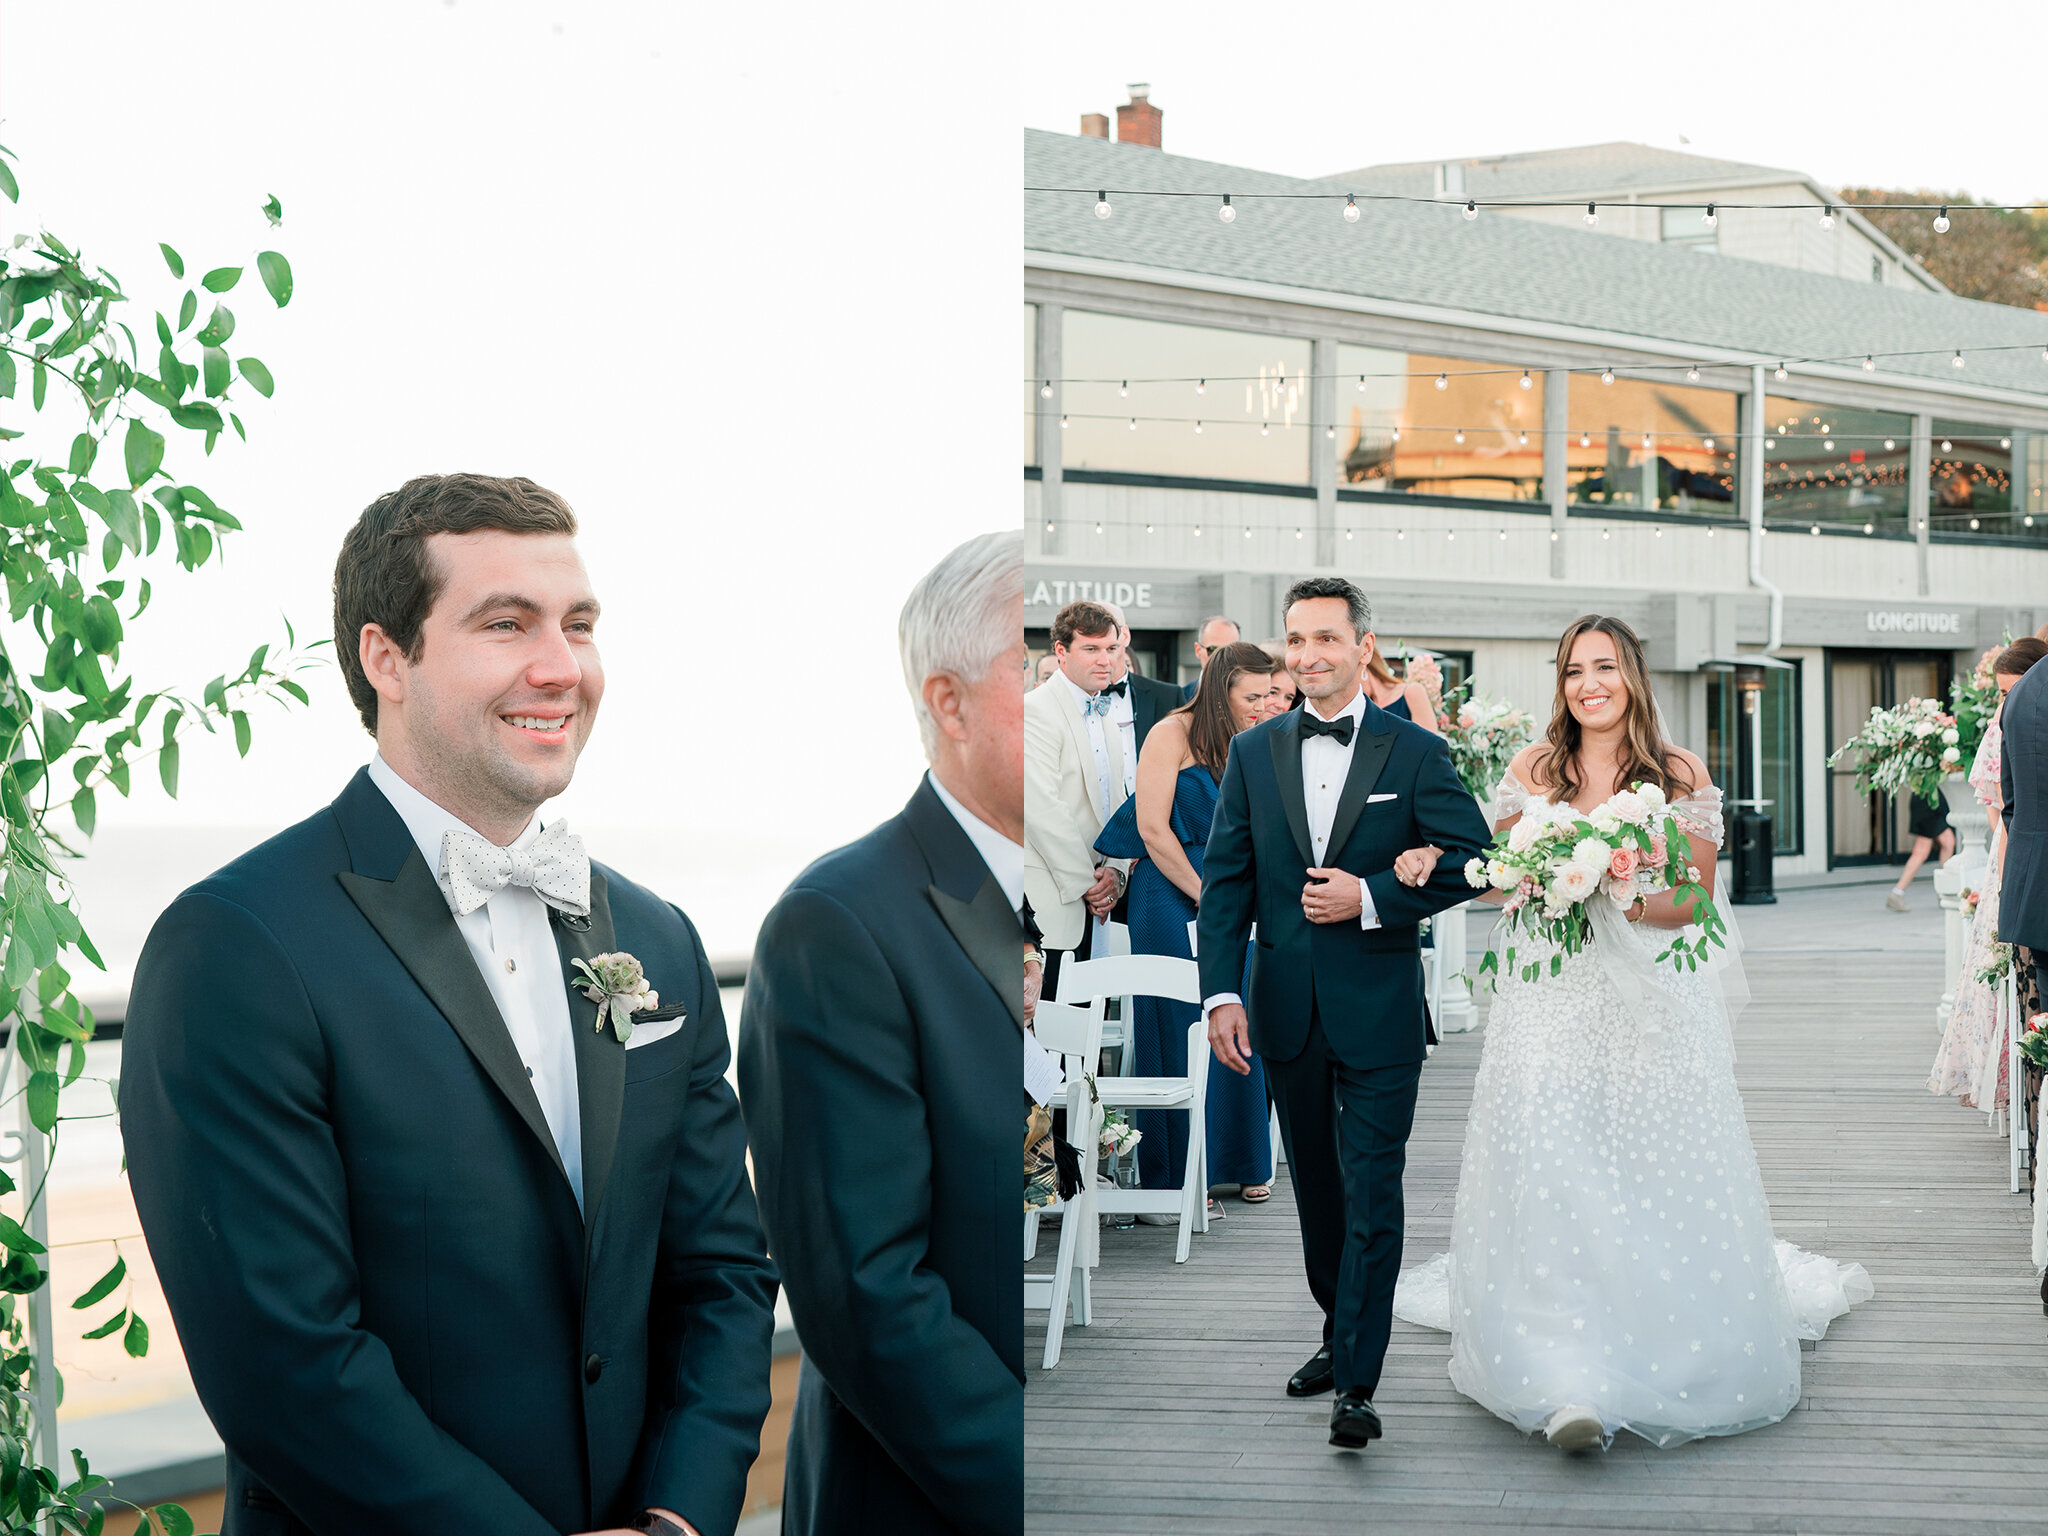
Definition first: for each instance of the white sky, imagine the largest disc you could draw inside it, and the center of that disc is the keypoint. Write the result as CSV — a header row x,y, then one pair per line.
x,y
1881,93
686,265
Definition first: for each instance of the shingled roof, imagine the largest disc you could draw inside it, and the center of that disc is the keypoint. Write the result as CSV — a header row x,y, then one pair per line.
x,y
1513,268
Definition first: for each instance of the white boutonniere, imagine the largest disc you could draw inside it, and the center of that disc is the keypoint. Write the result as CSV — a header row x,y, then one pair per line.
x,y
618,986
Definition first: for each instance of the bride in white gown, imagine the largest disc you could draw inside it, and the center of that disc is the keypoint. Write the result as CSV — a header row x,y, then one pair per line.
x,y
1612,1265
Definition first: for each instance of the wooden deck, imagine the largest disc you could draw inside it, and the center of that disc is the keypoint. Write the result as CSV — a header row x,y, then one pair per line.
x,y
1924,1410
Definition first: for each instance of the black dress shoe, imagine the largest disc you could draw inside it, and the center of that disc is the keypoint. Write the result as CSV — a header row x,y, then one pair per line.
x,y
1315,1377
1353,1420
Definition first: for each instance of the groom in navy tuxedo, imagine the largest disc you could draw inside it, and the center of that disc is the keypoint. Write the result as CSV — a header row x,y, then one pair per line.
x,y
1315,807
446,1249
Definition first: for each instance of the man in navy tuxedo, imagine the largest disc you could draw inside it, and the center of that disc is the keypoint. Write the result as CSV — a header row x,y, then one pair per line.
x,y
882,1068
447,1250
1315,807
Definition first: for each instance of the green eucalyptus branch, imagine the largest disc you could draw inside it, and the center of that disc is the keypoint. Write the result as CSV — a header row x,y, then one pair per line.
x,y
72,722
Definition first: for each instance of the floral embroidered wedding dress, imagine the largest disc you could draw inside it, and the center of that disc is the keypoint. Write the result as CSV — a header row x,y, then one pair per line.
x,y
1612,1243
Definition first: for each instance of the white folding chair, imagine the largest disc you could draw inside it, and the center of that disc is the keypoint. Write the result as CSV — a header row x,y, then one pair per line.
x,y
1076,1034
1132,976
1111,940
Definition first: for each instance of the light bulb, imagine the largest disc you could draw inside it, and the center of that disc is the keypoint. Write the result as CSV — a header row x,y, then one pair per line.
x,y
1297,533
1941,220
1397,434
1227,213
1134,423
1606,375
1048,525
1828,443
1710,218
1459,437
1585,439
1503,535
1198,530
1400,533
1870,365
1973,522
1646,439
1827,218
1063,423
1522,438
1781,371
1606,533
1264,429
1659,532
1045,390
2005,442
1527,382
1451,535
1201,386
1443,381
1710,533
1770,442
1709,445
1692,374
1947,446
1148,527
1349,533
1957,360
1889,445
2028,519
1350,210
1471,211
1247,532
1815,530
1102,205
1869,528
1329,432
1361,378
1553,535
1198,429
1123,390
1592,215
1098,527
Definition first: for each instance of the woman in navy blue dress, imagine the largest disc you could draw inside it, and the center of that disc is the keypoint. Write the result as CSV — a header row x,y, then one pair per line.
x,y
1178,775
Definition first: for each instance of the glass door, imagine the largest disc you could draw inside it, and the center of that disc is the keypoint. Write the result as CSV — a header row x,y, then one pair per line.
x,y
1871,829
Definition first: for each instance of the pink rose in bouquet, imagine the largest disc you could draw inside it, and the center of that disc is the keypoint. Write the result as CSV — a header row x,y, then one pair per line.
x,y
1622,863
1658,851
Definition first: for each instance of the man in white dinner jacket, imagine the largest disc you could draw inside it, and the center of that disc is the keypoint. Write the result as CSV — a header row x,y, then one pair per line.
x,y
1073,782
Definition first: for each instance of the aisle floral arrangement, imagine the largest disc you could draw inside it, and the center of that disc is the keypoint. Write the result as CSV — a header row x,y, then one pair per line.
x,y
2034,1042
1556,860
1910,748
1973,700
1484,734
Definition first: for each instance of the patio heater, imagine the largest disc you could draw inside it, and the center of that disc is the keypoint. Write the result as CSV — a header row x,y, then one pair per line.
x,y
1749,830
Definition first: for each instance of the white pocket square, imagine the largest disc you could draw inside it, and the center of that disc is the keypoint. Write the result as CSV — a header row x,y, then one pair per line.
x,y
647,1034
1376,799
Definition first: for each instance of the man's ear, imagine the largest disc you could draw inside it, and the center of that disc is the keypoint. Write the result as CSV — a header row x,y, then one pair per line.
x,y
383,663
944,699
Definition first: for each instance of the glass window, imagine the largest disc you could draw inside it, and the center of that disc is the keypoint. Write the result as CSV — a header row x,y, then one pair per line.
x,y
1727,754
1830,464
1151,398
1685,226
1031,383
1650,445
1970,466
1480,436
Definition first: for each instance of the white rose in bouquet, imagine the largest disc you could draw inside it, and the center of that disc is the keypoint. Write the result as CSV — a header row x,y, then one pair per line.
x,y
1652,796
1950,736
1591,852
1475,873
1575,881
1604,818
1523,834
1628,808
1500,876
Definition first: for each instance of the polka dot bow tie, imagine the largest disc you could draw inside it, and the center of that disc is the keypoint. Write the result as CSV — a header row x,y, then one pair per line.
x,y
553,866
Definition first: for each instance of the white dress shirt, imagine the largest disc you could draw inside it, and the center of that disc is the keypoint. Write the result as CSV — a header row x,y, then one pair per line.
x,y
1096,739
1123,713
513,945
1043,1076
1325,764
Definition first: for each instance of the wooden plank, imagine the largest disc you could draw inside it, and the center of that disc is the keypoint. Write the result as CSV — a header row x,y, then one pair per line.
x,y
1923,1409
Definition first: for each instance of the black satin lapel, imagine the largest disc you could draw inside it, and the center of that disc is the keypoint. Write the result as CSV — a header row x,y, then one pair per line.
x,y
413,918
1368,761
992,937
600,1054
1287,766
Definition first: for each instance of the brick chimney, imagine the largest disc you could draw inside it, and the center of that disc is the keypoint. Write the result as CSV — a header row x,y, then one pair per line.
x,y
1094,125
1138,122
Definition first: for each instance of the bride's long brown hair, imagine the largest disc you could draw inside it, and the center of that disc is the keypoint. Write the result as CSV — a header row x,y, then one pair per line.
x,y
1646,757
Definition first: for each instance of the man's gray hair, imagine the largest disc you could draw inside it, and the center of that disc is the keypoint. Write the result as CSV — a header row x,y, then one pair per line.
x,y
1332,586
1217,618
958,619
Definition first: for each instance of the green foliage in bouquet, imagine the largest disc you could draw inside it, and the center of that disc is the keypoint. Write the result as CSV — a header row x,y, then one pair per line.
x,y
1907,749
1973,700
98,492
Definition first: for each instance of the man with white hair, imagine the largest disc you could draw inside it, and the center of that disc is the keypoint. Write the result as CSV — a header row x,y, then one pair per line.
x,y
878,1066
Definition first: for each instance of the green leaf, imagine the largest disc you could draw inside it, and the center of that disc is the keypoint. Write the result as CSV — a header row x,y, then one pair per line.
x,y
8,184
84,449
167,769
7,376
258,376
85,811
188,310
103,1287
221,279
294,690
112,1325
144,451
11,1234
277,276
215,363
58,734
137,1345
40,383
125,519
273,210
241,732
172,260
220,325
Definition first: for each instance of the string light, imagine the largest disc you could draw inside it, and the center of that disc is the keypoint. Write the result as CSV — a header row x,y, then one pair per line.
x,y
1471,212
1045,390
1770,443
1102,205
1828,443
1710,218
2005,442
1198,530
1459,437
1710,445
1815,530
1098,527
1329,432
1827,218
1361,378
1247,531
1585,439
1148,527
1941,220
1606,375
1692,374
1450,535
1780,374
1400,533
1198,429
1870,365
1123,390
1947,446
1503,535
1443,381
1957,360
1397,434
1297,533
1350,210
1227,213
1265,429
1527,382
1973,522
1522,438
1134,423
1592,215
1063,423
1869,528
1201,386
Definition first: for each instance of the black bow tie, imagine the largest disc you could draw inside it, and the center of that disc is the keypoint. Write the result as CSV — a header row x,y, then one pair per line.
x,y
1313,724
1121,685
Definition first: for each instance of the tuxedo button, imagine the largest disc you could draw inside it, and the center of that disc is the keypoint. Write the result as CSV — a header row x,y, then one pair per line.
x,y
511,964
592,1369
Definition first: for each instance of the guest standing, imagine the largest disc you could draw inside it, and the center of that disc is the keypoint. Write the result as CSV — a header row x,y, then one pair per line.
x,y
1216,632
1178,773
2023,887
1284,694
1927,824
1403,700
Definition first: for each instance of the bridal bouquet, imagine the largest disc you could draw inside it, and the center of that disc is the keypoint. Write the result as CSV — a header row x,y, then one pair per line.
x,y
1910,748
1555,861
